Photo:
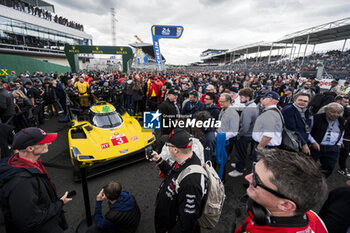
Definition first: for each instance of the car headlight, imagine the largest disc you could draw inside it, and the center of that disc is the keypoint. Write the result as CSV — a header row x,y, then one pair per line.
x,y
151,139
75,152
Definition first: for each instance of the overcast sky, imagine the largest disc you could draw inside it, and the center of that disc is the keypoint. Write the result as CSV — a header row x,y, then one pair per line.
x,y
216,24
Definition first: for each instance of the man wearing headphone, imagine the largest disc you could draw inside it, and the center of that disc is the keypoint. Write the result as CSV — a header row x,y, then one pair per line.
x,y
283,187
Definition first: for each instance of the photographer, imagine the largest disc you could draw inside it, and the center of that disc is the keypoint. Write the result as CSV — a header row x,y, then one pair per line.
x,y
179,211
123,215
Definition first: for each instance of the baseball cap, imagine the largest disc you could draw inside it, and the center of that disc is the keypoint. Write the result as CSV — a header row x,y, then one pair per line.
x,y
234,89
289,89
173,91
180,138
272,94
32,136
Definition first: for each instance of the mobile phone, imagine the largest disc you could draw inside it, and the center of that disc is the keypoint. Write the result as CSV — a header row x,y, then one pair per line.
x,y
149,151
71,194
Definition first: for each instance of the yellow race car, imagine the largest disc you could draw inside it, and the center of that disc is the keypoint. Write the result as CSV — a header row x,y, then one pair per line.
x,y
106,136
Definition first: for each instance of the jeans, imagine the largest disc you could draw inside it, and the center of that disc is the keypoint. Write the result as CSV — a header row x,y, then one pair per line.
x,y
328,156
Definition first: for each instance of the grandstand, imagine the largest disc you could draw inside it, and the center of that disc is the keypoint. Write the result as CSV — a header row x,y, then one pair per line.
x,y
32,29
144,56
288,59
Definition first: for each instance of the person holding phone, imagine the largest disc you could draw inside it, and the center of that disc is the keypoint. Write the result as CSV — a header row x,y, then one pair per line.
x,y
124,214
28,197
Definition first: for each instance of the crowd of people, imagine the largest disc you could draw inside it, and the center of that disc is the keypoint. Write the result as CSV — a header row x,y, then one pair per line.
x,y
41,13
292,133
333,61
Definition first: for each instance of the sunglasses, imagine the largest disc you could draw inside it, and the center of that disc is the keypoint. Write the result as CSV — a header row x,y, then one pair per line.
x,y
257,182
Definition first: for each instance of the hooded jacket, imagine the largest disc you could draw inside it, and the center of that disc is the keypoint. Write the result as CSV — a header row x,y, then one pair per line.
x,y
28,198
123,216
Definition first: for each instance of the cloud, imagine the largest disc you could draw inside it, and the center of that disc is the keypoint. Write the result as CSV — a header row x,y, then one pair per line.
x,y
207,24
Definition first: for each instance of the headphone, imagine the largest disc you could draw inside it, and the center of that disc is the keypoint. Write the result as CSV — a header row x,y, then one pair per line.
x,y
257,212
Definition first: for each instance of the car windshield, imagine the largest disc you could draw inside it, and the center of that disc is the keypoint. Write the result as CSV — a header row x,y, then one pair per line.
x,y
106,120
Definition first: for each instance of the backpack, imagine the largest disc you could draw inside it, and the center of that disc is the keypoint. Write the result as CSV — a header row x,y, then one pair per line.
x,y
290,139
216,193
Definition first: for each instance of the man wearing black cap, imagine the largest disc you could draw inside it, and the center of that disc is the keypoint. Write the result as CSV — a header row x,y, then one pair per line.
x,y
28,197
169,108
179,211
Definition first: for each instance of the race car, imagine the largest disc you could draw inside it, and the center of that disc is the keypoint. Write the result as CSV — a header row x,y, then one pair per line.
x,y
106,135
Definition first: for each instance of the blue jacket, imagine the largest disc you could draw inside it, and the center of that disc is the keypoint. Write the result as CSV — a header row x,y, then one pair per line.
x,y
125,203
220,152
191,108
293,121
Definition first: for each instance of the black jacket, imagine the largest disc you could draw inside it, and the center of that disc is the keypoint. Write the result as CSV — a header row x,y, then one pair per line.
x,y
213,110
7,106
319,128
168,111
178,212
335,211
28,200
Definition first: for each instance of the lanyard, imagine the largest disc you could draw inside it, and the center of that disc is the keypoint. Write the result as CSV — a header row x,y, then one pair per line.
x,y
329,131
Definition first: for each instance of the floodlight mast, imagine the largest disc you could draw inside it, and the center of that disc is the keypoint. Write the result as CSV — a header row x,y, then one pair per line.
x,y
113,24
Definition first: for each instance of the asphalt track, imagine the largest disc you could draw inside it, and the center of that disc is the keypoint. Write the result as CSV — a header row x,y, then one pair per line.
x,y
141,179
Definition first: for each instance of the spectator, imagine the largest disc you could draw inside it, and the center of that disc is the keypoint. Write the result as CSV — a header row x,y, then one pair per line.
x,y
236,103
7,107
335,211
128,101
267,131
210,105
335,87
83,88
205,135
138,95
28,197
282,189
286,99
345,149
346,89
247,120
306,89
229,125
23,108
179,211
169,109
123,215
326,136
297,119
193,105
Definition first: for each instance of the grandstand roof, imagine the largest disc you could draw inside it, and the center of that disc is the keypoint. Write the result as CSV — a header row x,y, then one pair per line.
x,y
329,32
260,46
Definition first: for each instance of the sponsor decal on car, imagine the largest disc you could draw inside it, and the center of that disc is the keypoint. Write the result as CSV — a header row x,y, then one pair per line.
x,y
124,151
119,139
105,145
135,138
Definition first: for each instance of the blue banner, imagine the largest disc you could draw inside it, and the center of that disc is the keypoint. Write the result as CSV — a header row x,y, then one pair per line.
x,y
163,31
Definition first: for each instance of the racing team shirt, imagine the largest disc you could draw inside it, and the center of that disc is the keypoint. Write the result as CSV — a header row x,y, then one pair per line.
x,y
178,212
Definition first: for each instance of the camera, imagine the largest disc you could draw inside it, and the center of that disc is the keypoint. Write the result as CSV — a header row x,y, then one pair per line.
x,y
148,151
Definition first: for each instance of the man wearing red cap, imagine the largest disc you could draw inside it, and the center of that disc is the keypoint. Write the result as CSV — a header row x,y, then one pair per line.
x,y
28,197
